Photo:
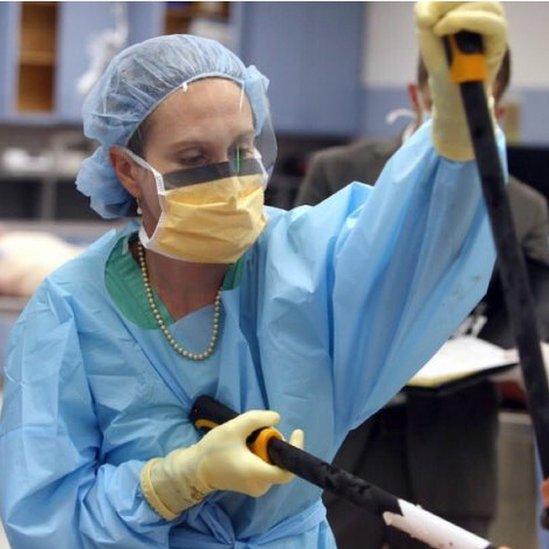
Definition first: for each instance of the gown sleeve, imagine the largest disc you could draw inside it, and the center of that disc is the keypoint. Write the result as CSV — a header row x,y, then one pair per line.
x,y
400,265
53,490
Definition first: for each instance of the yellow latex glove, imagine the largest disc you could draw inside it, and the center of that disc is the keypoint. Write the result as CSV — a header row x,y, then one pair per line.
x,y
220,461
435,20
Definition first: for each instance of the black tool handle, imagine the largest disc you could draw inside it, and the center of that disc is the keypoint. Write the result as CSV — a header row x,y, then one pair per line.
x,y
206,407
397,513
305,465
512,268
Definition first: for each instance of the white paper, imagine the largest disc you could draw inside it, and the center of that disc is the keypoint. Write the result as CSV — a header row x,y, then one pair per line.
x,y
515,374
462,357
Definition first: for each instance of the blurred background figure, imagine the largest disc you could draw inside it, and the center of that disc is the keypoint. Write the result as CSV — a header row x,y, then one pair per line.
x,y
333,169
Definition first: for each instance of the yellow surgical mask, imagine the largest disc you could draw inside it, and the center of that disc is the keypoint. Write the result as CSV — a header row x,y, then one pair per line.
x,y
211,214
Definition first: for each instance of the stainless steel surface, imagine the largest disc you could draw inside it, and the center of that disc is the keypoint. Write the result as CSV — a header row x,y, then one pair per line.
x,y
56,161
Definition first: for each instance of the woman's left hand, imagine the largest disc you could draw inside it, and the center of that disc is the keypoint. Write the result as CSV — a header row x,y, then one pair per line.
x,y
434,21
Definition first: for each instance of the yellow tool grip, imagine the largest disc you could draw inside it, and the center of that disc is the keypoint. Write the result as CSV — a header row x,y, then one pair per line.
x,y
259,439
259,445
466,67
205,424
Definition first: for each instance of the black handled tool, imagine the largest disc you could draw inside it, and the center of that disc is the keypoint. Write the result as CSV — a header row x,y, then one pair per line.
x,y
464,52
207,413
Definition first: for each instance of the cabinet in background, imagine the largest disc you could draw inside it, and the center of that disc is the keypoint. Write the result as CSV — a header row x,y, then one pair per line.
x,y
310,52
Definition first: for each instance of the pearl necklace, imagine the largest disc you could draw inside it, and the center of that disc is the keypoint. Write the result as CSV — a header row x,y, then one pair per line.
x,y
162,325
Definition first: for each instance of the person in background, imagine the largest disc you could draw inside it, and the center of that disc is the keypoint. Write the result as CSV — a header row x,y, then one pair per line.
x,y
414,442
332,169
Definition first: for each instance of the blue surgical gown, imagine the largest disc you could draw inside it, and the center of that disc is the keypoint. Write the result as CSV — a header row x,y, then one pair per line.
x,y
337,307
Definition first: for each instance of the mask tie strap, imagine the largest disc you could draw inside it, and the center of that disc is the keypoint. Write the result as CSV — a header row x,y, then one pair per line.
x,y
159,180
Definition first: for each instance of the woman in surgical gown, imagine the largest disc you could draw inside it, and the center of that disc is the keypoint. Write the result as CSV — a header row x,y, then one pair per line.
x,y
324,317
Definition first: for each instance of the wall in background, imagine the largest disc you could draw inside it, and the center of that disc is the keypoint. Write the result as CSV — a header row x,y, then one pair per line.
x,y
390,55
336,69
311,52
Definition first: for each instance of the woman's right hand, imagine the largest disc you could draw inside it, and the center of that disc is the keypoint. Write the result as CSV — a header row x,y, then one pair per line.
x,y
226,463
220,461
